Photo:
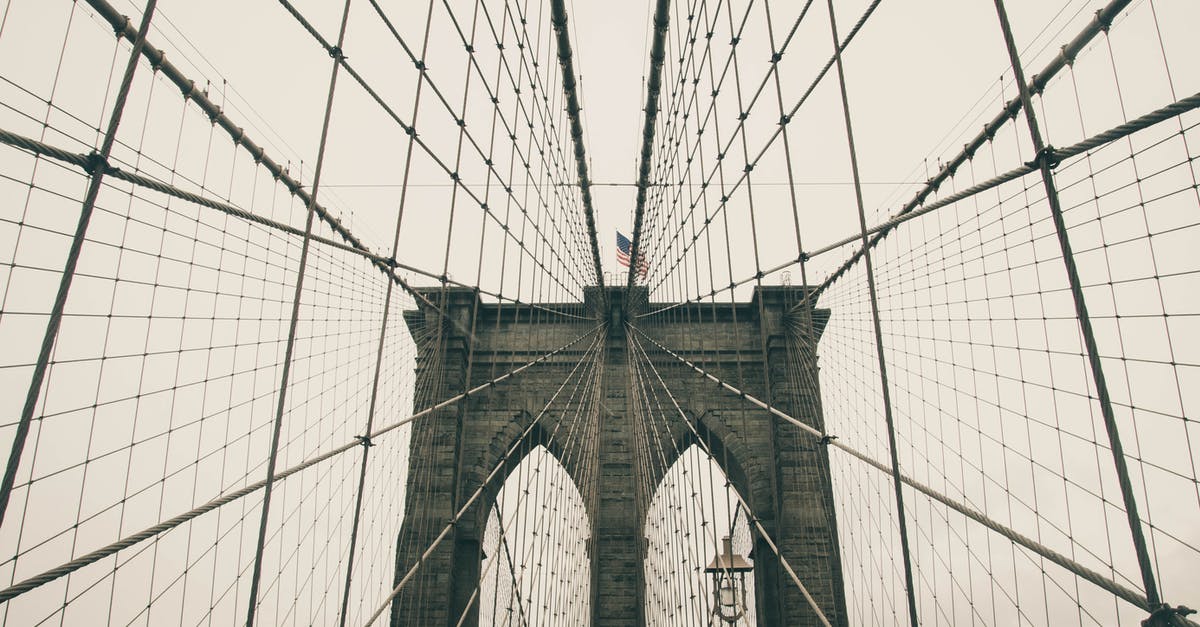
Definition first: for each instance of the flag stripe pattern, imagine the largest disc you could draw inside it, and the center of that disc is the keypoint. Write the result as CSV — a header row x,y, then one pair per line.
x,y
623,246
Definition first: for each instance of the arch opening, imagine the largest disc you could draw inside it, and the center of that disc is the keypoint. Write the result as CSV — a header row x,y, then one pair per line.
x,y
535,563
693,508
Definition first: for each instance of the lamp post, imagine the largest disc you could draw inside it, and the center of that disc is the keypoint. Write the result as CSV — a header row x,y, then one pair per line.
x,y
728,571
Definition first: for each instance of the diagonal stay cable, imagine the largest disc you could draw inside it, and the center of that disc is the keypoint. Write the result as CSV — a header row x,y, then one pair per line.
x,y
1170,111
96,172
700,442
739,129
1157,116
387,265
191,91
555,158
570,452
512,573
881,355
1116,589
383,329
1066,56
1045,159
491,92
504,459
290,345
84,560
411,130
195,93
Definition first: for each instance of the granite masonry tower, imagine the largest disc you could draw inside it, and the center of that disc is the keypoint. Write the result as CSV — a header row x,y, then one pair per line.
x,y
767,344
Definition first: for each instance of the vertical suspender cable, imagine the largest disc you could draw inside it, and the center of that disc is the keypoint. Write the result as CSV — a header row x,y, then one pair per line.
x,y
887,400
387,305
1066,56
558,19
97,168
1045,160
662,19
256,574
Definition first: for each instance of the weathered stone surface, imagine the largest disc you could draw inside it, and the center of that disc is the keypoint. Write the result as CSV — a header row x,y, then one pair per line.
x,y
784,475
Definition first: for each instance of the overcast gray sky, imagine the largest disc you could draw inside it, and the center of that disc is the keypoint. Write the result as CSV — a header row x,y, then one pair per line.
x,y
923,77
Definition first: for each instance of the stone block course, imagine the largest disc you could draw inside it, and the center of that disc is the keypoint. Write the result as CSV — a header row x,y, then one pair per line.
x,y
784,478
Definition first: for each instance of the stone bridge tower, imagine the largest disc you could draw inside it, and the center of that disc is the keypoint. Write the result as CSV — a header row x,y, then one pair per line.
x,y
782,475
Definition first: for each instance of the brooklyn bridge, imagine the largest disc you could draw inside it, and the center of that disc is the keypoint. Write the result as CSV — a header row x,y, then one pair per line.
x,y
550,312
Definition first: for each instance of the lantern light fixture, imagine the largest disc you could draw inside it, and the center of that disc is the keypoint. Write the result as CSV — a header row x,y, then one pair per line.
x,y
728,571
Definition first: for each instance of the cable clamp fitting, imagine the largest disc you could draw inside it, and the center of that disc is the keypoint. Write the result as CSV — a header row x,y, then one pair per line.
x,y
1048,156
336,53
95,162
826,439
1163,613
364,440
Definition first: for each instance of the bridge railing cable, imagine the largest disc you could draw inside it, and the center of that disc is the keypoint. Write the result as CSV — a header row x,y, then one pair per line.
x,y
1131,596
199,232
496,470
207,327
986,393
95,556
762,532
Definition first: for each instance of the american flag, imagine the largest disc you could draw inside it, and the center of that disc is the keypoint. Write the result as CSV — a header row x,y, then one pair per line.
x,y
623,245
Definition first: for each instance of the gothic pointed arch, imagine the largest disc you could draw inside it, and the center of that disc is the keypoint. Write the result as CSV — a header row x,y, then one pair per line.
x,y
694,507
535,559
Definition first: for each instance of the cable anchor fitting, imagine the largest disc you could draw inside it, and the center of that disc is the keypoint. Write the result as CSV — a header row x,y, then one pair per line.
x,y
1047,156
1163,614
95,162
